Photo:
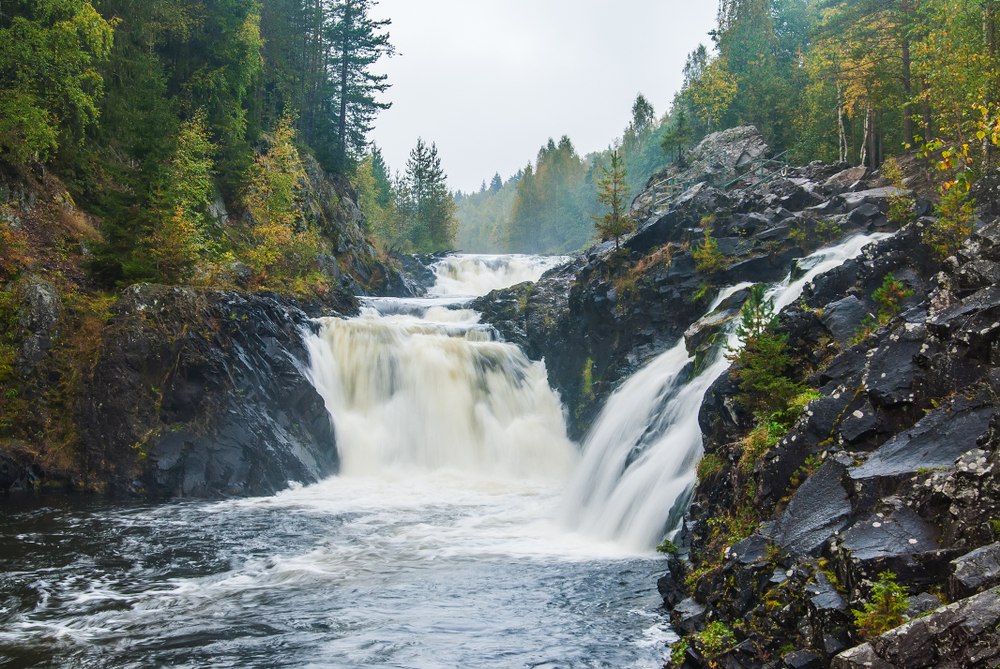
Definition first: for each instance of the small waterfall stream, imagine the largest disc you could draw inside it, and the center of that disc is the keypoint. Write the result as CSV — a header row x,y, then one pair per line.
x,y
639,458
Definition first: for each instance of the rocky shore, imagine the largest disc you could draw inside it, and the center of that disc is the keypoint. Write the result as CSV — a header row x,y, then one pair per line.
x,y
892,467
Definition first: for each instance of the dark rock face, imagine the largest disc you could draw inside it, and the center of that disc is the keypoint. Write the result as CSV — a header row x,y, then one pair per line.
x,y
203,393
961,635
40,312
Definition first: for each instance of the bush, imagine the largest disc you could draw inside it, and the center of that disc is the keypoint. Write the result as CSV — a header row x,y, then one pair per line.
x,y
900,205
956,213
707,256
886,609
762,359
891,296
709,465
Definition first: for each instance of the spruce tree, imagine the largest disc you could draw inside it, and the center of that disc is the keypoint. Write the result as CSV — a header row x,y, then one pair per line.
x,y
356,43
434,225
613,192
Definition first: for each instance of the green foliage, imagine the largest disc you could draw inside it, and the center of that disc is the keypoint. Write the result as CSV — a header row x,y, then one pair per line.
x,y
49,83
715,639
710,465
890,296
667,546
587,388
900,205
761,361
886,610
613,192
956,216
425,203
277,242
761,439
707,256
678,651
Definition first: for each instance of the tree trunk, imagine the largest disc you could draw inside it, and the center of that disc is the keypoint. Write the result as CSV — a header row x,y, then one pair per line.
x,y
907,93
928,131
866,135
841,137
344,63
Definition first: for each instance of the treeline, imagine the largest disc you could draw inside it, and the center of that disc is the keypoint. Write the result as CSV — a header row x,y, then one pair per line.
x,y
549,205
412,212
857,81
161,116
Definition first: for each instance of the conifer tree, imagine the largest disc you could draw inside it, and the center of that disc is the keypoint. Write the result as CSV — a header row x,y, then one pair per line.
x,y
356,42
434,224
613,192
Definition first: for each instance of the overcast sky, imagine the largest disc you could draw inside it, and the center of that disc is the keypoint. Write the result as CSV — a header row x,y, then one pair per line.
x,y
490,81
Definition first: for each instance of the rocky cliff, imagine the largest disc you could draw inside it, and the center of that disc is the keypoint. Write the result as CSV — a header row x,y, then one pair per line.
x,y
890,469
192,391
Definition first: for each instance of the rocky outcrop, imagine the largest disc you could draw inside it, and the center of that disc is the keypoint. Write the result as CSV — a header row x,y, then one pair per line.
x,y
892,468
204,393
598,319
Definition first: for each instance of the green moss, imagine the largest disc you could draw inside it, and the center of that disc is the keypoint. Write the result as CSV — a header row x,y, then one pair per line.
x,y
709,465
587,389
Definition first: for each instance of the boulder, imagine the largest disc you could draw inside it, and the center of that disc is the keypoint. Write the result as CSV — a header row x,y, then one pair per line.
x,y
38,316
843,318
963,634
974,571
818,510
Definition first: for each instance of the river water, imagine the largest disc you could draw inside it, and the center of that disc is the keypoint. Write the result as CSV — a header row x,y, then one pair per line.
x,y
441,544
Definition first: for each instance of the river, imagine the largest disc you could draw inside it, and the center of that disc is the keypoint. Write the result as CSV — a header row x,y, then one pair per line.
x,y
442,543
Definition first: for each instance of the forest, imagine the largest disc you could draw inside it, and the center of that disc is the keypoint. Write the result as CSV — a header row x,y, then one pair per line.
x,y
188,130
857,81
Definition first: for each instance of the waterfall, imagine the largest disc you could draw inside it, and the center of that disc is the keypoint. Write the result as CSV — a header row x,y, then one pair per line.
x,y
420,385
465,274
639,458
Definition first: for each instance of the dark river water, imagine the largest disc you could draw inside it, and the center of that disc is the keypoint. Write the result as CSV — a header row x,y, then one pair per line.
x,y
436,570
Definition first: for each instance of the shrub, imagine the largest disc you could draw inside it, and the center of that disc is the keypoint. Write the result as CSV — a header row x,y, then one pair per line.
x,y
678,651
709,465
668,547
891,296
900,205
956,213
886,609
762,438
715,639
707,256
762,359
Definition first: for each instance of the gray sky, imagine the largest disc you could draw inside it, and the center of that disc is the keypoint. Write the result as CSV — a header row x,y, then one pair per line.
x,y
490,81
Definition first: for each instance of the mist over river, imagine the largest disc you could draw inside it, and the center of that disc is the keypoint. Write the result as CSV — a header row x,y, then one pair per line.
x,y
443,543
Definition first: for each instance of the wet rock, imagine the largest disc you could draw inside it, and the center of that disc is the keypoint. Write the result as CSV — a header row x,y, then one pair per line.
x,y
921,604
846,178
934,442
843,317
819,509
974,571
750,550
38,316
899,541
689,616
963,634
803,659
209,388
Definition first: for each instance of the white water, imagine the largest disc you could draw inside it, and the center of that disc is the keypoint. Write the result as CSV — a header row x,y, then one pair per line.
x,y
640,456
466,274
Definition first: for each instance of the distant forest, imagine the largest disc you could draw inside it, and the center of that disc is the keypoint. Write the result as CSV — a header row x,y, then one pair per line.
x,y
857,81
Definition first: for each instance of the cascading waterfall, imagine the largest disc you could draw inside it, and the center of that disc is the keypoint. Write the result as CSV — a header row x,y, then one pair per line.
x,y
639,458
419,384
466,274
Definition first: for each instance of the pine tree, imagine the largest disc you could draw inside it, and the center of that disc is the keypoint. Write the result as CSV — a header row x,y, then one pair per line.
x,y
613,192
434,224
356,43
496,184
